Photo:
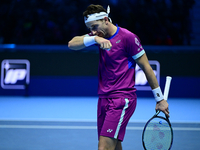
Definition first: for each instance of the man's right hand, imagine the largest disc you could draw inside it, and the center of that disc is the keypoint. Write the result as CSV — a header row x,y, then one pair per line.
x,y
104,43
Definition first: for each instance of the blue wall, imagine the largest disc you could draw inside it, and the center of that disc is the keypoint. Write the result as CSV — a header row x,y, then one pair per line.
x,y
181,87
57,71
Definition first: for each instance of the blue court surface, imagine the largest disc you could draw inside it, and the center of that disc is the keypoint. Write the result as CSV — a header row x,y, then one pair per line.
x,y
69,123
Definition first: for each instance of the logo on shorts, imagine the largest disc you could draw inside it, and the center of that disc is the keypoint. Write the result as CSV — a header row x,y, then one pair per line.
x,y
15,73
109,130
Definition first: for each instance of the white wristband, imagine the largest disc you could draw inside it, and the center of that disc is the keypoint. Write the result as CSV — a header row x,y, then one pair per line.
x,y
88,41
158,94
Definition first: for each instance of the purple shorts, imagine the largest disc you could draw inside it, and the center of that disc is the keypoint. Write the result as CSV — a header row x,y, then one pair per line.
x,y
113,116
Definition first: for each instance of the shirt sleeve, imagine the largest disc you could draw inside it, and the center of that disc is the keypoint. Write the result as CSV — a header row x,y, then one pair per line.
x,y
134,47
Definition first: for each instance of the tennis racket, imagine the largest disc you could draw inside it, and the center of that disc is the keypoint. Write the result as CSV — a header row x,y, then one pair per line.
x,y
157,133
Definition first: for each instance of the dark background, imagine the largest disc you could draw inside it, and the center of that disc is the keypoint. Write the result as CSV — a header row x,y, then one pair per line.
x,y
156,22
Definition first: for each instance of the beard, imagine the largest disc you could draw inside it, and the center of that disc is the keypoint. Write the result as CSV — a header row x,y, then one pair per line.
x,y
101,33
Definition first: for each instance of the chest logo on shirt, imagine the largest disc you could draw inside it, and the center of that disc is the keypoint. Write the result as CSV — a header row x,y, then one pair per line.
x,y
118,41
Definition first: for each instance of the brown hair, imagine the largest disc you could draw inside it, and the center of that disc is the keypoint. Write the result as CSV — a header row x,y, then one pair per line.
x,y
91,9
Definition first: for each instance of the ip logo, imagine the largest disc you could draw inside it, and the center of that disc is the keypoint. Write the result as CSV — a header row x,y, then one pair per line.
x,y
15,73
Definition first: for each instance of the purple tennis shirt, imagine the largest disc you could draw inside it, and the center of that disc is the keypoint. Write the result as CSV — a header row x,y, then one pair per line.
x,y
117,66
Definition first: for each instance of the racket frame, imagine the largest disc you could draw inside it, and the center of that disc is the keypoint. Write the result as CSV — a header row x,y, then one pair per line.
x,y
160,117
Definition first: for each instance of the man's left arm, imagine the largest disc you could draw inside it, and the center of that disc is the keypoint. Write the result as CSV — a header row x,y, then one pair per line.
x,y
143,63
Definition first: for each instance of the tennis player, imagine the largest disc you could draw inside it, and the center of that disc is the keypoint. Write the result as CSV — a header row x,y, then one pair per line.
x,y
119,51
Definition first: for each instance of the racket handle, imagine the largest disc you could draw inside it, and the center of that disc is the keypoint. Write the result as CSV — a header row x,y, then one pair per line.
x,y
167,86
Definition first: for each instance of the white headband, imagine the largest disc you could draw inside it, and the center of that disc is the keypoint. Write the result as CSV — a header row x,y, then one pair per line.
x,y
97,16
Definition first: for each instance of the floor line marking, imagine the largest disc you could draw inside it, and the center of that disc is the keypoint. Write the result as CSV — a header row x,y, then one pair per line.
x,y
84,127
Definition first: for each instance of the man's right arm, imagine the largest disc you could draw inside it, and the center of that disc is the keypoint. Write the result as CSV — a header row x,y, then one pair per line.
x,y
80,42
76,43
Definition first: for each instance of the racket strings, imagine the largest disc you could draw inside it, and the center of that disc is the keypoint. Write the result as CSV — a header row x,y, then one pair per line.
x,y
157,135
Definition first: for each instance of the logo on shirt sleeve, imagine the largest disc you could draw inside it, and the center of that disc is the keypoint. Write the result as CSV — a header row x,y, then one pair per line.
x,y
137,42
